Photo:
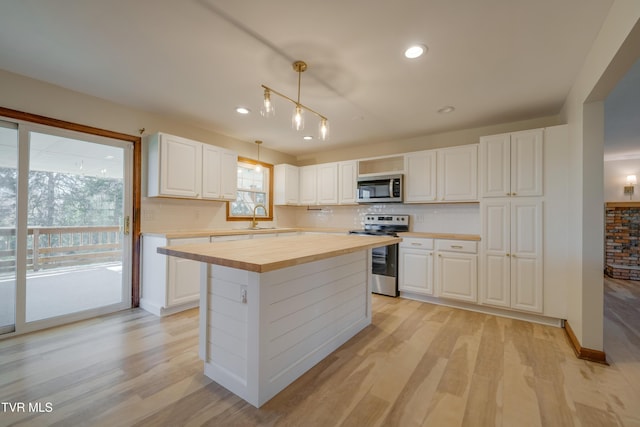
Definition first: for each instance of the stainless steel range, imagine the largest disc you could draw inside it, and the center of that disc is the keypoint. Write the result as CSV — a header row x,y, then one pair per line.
x,y
385,258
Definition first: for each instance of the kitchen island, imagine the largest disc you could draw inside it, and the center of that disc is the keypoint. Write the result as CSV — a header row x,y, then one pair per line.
x,y
271,309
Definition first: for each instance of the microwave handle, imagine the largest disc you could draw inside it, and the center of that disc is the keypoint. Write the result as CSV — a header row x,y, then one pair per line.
x,y
391,188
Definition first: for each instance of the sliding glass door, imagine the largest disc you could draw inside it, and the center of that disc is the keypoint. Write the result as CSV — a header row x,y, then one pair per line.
x,y
77,225
65,240
8,224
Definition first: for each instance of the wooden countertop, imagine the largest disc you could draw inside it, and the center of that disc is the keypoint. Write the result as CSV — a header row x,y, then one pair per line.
x,y
182,234
448,236
262,255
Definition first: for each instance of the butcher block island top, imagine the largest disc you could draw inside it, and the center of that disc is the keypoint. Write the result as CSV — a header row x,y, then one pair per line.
x,y
263,255
270,309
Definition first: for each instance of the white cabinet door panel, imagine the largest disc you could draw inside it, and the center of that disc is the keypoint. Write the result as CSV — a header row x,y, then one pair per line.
x,y
286,189
457,276
180,166
526,163
308,185
416,271
526,254
495,158
347,176
496,257
210,172
496,287
458,173
526,289
229,175
184,283
420,176
327,181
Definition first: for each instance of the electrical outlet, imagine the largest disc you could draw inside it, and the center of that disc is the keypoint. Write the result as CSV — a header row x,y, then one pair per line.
x,y
419,218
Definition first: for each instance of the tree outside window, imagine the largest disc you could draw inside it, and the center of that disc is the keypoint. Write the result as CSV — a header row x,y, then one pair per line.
x,y
254,188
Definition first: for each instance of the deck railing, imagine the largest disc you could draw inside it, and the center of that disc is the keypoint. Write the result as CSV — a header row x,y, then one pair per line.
x,y
51,247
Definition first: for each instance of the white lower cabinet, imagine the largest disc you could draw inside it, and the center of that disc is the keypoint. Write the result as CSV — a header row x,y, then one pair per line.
x,y
415,272
511,268
169,284
457,270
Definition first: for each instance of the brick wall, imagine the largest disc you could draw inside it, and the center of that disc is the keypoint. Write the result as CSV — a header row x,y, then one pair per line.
x,y
622,229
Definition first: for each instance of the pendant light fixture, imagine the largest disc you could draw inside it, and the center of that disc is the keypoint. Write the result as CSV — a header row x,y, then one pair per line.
x,y
297,119
258,168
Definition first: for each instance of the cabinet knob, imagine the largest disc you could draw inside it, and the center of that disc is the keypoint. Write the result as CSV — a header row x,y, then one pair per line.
x,y
508,254
513,194
513,256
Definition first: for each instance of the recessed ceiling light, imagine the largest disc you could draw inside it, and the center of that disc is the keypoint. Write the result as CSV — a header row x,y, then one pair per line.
x,y
415,51
307,137
446,109
242,110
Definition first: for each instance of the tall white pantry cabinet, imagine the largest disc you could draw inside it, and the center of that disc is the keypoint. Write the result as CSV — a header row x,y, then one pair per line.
x,y
511,205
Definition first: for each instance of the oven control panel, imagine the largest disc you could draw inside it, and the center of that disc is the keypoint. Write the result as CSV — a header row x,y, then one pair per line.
x,y
382,219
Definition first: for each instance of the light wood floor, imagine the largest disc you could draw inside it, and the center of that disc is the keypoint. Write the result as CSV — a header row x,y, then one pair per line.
x,y
417,364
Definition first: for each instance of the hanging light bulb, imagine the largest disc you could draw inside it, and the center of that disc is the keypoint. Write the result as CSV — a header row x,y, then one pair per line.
x,y
267,110
257,168
297,121
324,129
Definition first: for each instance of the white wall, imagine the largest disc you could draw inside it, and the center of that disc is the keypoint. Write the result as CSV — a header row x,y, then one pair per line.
x,y
612,54
615,179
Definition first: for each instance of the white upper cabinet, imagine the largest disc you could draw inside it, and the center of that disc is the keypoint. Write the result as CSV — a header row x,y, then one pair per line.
x,y
180,167
327,183
458,173
175,166
308,185
511,164
219,173
322,184
420,177
347,177
444,175
286,188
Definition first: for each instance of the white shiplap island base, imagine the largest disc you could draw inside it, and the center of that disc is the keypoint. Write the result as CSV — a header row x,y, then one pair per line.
x,y
271,309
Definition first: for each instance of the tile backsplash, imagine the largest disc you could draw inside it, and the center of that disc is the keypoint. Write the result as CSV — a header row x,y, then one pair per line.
x,y
461,218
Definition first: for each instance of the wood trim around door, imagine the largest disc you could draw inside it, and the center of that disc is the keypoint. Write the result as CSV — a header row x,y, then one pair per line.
x,y
137,171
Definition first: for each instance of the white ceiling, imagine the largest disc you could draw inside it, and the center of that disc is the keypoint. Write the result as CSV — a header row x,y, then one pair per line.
x,y
494,60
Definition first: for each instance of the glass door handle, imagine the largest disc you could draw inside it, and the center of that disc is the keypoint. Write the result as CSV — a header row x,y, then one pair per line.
x,y
127,224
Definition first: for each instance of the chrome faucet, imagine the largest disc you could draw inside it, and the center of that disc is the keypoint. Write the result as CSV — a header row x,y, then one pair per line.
x,y
254,223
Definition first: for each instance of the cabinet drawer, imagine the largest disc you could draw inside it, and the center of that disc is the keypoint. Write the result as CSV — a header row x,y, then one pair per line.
x,y
457,246
416,243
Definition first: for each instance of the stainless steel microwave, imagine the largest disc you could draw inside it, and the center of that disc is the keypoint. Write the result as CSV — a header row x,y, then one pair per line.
x,y
379,189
